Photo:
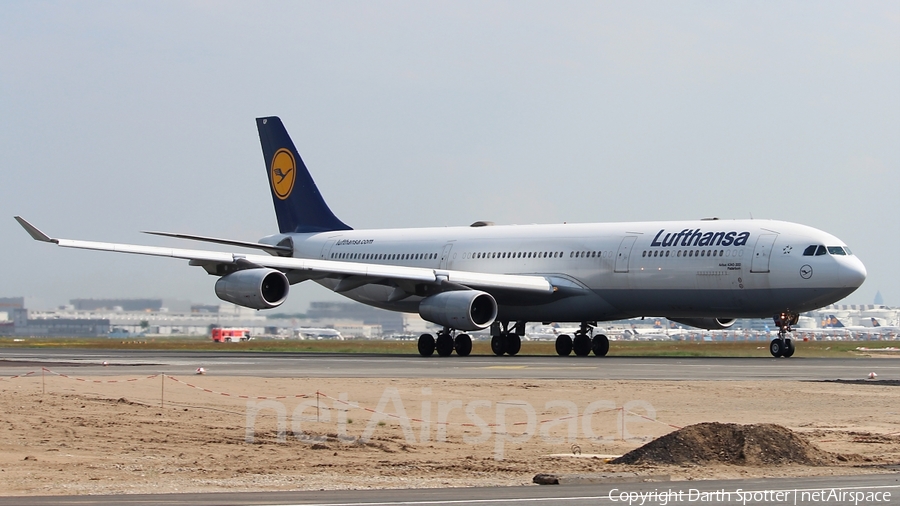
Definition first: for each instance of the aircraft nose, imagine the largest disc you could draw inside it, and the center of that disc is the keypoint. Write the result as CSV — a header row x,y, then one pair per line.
x,y
852,272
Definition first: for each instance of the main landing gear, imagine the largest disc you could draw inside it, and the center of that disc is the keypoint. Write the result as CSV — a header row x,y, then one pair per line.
x,y
584,342
445,344
505,340
783,346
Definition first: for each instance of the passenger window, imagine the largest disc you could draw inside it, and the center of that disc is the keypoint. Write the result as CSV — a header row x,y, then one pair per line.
x,y
820,251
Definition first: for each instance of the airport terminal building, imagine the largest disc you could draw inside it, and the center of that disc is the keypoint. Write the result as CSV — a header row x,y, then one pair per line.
x,y
162,317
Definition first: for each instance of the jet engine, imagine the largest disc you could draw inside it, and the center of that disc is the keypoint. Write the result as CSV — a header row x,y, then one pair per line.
x,y
706,323
461,310
254,288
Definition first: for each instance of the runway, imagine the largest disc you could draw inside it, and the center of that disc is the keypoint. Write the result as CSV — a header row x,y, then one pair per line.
x,y
831,490
312,365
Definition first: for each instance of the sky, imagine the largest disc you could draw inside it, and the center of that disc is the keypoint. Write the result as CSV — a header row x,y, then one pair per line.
x,y
117,117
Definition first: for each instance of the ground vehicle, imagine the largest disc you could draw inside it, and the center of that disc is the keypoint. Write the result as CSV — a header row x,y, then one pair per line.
x,y
227,335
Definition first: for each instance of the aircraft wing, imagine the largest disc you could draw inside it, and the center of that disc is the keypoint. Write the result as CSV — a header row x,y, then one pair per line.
x,y
352,274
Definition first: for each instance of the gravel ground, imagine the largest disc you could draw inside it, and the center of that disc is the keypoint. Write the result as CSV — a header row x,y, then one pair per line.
x,y
161,435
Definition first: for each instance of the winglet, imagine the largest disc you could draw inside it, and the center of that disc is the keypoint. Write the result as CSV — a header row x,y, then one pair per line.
x,y
33,231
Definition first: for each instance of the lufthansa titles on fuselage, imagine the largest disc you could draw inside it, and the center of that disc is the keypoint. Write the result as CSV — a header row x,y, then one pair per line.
x,y
354,242
691,237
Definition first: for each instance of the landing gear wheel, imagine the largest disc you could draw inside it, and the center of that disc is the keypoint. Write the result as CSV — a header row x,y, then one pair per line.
x,y
782,346
788,348
600,345
463,345
426,345
444,344
513,344
581,345
563,345
498,345
775,348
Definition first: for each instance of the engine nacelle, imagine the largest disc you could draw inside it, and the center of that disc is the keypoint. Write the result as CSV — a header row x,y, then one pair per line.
x,y
461,309
254,288
706,323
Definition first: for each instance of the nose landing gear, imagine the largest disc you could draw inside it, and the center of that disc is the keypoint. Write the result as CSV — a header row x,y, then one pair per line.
x,y
783,346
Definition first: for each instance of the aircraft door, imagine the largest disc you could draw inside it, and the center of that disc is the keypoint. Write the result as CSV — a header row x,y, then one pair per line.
x,y
326,250
624,254
445,255
762,253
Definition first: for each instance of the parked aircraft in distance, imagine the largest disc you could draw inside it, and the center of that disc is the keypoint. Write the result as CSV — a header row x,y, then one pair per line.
x,y
702,273
883,328
875,328
317,334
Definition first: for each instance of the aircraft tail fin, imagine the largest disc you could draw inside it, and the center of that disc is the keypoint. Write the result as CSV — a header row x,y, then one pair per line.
x,y
299,206
833,322
875,323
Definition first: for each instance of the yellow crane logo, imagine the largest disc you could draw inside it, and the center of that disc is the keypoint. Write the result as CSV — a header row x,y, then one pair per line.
x,y
284,170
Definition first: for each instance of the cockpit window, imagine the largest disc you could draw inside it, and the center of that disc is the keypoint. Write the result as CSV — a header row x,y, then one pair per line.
x,y
819,250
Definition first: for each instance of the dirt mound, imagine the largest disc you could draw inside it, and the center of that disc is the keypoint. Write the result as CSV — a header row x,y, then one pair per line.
x,y
729,443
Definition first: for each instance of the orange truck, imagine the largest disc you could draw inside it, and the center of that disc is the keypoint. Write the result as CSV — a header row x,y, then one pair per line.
x,y
228,335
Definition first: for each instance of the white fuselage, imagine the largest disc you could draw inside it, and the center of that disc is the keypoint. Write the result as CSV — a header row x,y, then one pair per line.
x,y
604,271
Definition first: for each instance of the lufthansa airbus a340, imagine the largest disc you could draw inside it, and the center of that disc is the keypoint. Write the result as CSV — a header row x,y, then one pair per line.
x,y
703,273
